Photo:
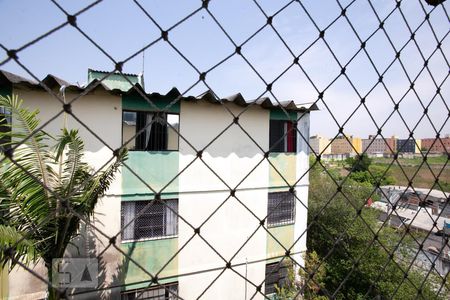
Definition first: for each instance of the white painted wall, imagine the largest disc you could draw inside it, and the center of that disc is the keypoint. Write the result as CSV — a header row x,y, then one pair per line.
x,y
231,156
102,113
301,214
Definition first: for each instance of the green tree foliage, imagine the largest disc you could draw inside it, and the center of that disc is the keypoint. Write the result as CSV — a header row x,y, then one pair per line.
x,y
39,184
358,163
362,170
354,268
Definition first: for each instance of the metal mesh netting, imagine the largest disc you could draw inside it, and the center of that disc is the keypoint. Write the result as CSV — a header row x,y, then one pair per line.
x,y
377,67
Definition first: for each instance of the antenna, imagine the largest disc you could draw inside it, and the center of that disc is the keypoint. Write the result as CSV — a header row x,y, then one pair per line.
x,y
143,61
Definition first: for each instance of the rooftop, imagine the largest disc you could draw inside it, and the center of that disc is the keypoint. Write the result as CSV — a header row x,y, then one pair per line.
x,y
53,82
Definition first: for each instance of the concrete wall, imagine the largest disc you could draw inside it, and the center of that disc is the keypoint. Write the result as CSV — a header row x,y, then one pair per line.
x,y
232,234
231,156
102,113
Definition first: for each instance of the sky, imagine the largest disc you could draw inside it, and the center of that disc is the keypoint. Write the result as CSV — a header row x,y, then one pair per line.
x,y
122,29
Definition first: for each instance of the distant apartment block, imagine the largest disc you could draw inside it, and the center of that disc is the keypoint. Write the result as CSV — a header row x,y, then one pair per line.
x,y
434,145
346,145
374,146
320,144
408,145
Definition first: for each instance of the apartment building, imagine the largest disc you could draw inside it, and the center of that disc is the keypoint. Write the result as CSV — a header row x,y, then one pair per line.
x,y
379,146
436,146
320,144
408,145
346,145
211,188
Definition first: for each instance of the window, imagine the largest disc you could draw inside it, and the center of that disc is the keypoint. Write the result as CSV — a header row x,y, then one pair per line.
x,y
5,119
165,292
276,274
156,220
150,131
283,136
280,209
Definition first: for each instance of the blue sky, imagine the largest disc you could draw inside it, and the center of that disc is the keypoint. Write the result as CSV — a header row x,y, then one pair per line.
x,y
122,29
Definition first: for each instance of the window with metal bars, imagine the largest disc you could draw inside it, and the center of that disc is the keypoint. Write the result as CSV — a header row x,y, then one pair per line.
x,y
280,209
150,131
164,292
276,275
149,219
283,136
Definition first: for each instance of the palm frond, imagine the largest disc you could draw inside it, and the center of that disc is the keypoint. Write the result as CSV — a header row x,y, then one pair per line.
x,y
24,249
31,145
27,207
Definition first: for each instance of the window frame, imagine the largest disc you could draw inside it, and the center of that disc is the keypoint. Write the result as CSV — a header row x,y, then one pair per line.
x,y
135,220
275,143
173,286
272,215
278,271
136,136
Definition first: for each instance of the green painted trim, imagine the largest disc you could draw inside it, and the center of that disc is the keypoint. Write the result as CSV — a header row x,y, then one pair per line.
x,y
155,168
4,282
152,255
286,165
284,234
137,102
279,114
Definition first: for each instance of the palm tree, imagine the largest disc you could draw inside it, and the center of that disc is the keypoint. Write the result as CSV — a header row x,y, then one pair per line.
x,y
44,190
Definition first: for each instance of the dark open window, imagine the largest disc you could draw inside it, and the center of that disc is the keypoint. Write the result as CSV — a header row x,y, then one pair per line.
x,y
280,209
157,220
161,292
283,136
276,274
150,131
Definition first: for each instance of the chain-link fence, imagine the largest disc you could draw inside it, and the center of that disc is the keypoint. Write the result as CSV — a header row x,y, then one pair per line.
x,y
225,197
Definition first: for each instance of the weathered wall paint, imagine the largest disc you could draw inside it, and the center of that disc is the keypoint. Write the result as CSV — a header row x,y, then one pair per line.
x,y
282,234
4,283
282,169
134,101
152,255
156,169
105,121
302,166
232,156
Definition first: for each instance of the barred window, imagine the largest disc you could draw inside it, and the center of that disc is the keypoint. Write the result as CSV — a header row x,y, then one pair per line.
x,y
276,274
281,209
283,136
150,131
158,220
165,292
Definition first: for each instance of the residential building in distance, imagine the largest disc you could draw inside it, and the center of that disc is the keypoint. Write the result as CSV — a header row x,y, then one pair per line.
x,y
408,145
346,145
320,144
436,146
378,146
249,210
